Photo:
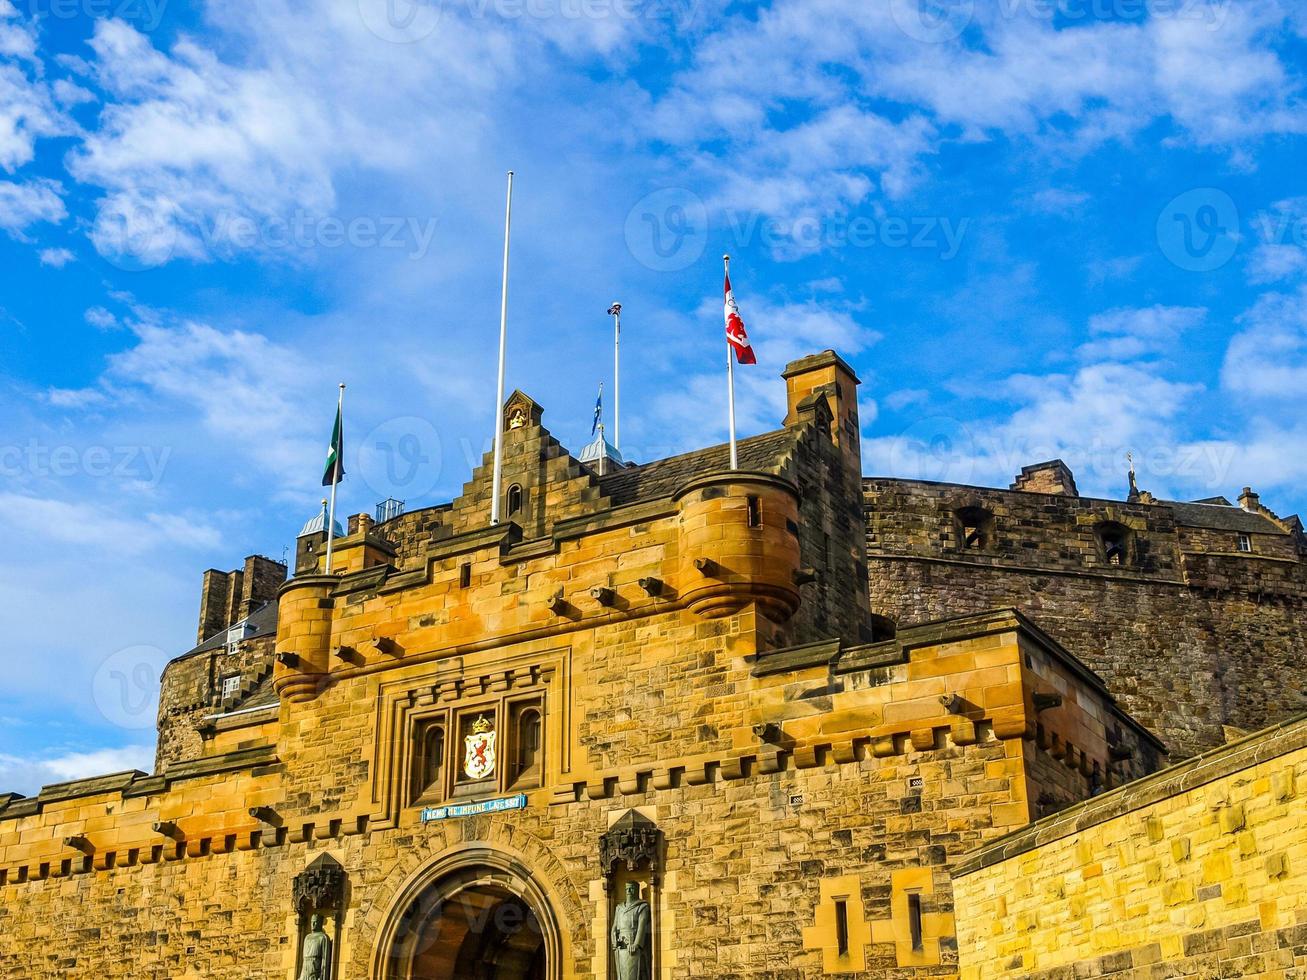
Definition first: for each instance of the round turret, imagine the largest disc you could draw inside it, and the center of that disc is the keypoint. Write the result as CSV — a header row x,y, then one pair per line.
x,y
304,636
739,544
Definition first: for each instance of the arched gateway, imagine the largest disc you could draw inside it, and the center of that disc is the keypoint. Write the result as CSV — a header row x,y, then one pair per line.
x,y
474,915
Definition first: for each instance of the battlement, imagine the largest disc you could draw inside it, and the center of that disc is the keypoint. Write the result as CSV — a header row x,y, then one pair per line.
x,y
1191,611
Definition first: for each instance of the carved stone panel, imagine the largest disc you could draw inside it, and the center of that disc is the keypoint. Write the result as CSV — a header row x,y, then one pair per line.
x,y
319,886
634,840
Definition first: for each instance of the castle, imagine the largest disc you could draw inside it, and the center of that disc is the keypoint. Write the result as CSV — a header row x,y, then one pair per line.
x,y
681,720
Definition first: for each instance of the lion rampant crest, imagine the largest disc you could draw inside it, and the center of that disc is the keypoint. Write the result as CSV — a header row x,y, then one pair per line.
x,y
479,759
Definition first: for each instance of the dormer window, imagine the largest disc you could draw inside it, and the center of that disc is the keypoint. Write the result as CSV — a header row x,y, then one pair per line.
x,y
974,529
1115,544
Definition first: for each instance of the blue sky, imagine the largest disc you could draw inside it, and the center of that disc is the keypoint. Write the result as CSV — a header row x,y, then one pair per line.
x,y
1037,229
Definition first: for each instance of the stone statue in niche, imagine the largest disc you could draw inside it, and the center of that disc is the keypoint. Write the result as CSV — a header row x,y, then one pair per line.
x,y
517,418
632,937
317,952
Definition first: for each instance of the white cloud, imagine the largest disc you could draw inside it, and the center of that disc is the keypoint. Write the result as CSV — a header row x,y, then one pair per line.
x,y
1059,201
1276,262
100,318
23,205
27,776
1213,71
1267,359
27,111
56,258
95,526
248,391
1127,333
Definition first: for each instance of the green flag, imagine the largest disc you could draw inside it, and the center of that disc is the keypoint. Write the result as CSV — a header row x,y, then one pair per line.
x,y
335,471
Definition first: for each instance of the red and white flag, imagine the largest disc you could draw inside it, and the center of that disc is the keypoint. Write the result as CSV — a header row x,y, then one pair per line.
x,y
735,335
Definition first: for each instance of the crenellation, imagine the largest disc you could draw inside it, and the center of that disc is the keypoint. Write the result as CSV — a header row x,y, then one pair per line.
x,y
840,709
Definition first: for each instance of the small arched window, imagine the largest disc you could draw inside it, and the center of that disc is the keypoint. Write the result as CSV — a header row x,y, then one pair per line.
x,y
428,762
515,498
882,628
528,736
974,529
1115,544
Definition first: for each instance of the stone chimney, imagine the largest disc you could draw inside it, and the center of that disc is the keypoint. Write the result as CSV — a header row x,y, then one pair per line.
x,y
259,584
215,603
1250,501
1052,477
828,375
228,597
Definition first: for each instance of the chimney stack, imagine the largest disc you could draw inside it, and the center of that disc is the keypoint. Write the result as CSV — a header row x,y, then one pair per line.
x,y
1052,477
828,375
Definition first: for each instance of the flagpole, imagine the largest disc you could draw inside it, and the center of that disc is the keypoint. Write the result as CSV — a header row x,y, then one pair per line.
x,y
730,382
616,311
335,476
503,338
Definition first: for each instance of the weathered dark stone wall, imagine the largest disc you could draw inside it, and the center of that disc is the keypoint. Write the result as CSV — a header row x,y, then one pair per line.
x,y
189,691
1190,635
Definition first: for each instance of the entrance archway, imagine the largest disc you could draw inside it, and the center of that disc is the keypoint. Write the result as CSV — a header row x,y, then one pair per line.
x,y
471,916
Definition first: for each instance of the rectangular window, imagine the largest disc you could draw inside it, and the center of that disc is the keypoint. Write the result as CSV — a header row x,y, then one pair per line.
x,y
1245,543
231,684
914,920
755,511
464,575
842,926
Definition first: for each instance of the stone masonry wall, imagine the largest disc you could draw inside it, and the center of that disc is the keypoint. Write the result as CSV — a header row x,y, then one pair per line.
x,y
1198,871
755,847
189,689
1188,640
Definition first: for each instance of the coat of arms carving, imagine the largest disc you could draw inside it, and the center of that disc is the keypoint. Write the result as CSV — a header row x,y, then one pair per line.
x,y
479,757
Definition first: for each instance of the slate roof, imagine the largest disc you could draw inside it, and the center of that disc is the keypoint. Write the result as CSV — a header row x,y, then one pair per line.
x,y
263,619
263,696
663,477
1219,517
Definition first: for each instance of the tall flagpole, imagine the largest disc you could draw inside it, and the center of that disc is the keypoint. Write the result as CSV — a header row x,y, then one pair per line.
x,y
503,338
335,475
730,381
616,311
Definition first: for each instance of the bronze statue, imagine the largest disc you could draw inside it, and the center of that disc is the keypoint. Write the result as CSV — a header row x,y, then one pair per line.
x,y
317,952
632,937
